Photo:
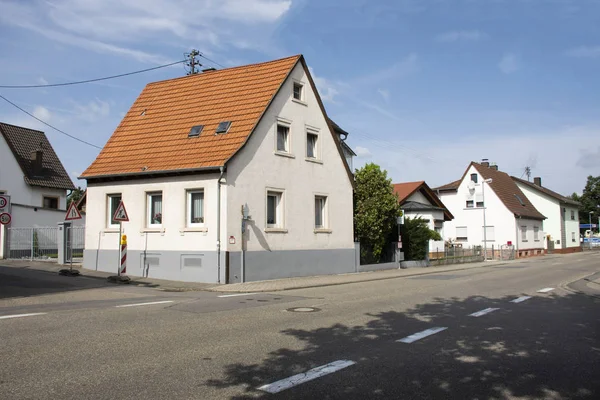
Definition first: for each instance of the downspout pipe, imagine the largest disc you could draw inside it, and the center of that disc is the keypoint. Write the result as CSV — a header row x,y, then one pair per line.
x,y
222,171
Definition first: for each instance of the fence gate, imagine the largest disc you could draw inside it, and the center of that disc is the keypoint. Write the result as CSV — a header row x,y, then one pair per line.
x,y
74,243
507,252
33,243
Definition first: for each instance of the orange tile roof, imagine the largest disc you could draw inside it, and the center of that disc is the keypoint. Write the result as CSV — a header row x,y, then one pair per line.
x,y
406,189
154,133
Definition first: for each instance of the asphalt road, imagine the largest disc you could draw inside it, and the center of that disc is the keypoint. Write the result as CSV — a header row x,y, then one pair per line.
x,y
363,341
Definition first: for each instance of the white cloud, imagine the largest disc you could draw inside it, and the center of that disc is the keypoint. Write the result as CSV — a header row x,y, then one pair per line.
x,y
384,93
42,113
362,152
42,81
585,52
93,110
327,90
405,67
508,64
456,36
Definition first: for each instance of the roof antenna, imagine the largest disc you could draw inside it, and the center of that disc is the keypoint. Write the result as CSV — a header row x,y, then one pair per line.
x,y
528,173
192,63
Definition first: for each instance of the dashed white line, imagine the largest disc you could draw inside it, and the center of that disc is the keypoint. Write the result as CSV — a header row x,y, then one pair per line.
x,y
483,312
21,315
546,290
236,295
144,304
520,299
423,334
309,375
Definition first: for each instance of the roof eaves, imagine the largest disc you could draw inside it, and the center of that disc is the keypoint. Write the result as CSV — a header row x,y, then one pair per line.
x,y
153,172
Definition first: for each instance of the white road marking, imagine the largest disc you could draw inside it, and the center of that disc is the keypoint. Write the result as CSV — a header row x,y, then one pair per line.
x,y
309,375
21,315
483,312
546,290
423,334
236,295
520,299
145,304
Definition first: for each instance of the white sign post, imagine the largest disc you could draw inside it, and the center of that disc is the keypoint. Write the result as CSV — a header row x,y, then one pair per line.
x,y
121,216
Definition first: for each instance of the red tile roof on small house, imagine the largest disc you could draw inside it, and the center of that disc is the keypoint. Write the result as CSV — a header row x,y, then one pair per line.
x,y
406,189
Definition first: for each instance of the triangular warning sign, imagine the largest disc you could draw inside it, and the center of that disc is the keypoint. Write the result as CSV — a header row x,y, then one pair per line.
x,y
72,212
121,213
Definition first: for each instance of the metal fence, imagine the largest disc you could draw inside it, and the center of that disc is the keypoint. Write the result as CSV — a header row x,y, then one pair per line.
x,y
75,243
33,243
492,252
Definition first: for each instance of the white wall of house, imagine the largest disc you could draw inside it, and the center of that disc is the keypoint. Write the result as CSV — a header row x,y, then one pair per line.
x,y
529,240
571,226
258,168
497,215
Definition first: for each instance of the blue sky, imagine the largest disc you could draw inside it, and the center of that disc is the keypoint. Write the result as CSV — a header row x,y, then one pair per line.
x,y
424,86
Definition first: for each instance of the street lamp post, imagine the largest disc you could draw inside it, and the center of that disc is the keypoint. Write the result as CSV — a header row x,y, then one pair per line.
x,y
484,223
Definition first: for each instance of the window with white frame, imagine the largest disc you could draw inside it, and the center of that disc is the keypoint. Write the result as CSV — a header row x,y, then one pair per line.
x,y
274,209
298,91
536,233
320,212
283,138
573,237
572,215
113,201
490,233
474,178
154,206
461,233
195,208
479,200
312,143
470,204
523,233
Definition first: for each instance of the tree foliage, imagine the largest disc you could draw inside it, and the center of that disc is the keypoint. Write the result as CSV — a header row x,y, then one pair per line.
x,y
415,237
590,199
376,209
75,195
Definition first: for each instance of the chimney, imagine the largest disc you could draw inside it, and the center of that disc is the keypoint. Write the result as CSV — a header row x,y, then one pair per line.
x,y
485,162
537,181
36,157
494,166
209,69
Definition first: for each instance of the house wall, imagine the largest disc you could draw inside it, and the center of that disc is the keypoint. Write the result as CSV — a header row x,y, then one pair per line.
x,y
497,215
299,250
530,242
551,209
170,252
571,226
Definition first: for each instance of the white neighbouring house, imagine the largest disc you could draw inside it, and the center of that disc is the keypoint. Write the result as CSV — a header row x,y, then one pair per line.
x,y
192,151
417,200
562,213
34,178
511,218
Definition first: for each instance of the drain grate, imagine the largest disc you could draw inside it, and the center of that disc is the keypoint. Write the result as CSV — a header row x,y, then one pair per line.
x,y
303,309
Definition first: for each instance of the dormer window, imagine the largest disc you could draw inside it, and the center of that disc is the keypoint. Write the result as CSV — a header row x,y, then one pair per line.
x,y
298,91
223,127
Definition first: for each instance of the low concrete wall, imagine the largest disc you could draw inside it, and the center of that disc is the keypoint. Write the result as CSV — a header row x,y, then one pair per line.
x,y
568,250
456,260
415,264
378,267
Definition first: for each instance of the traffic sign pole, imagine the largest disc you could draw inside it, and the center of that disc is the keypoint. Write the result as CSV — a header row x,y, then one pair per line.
x,y
120,237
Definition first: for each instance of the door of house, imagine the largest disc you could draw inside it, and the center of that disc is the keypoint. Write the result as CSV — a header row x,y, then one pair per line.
x,y
550,243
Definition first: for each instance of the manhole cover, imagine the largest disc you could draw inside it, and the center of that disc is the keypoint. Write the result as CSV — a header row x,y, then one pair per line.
x,y
303,309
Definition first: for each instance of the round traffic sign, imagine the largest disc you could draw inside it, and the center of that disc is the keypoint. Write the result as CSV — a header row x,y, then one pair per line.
x,y
3,202
5,218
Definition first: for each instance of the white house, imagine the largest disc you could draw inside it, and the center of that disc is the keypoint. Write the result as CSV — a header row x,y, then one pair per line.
x,y
562,223
417,200
34,178
510,217
192,151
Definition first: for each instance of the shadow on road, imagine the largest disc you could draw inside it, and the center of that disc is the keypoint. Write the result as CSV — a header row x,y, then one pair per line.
x,y
544,348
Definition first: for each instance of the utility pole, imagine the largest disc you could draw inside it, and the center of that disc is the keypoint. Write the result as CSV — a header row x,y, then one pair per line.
x,y
193,63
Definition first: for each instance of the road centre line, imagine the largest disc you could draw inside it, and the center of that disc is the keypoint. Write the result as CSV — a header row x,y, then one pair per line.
x,y
236,295
423,334
309,375
520,299
483,312
546,290
21,315
144,304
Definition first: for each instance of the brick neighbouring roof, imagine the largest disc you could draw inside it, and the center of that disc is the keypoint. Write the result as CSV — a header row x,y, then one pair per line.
x,y
153,137
557,196
506,189
406,189
449,186
22,142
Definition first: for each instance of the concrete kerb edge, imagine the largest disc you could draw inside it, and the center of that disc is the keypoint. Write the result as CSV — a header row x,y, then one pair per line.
x,y
570,286
220,288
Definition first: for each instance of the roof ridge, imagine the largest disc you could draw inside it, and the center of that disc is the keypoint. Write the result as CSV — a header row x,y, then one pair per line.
x,y
225,69
21,127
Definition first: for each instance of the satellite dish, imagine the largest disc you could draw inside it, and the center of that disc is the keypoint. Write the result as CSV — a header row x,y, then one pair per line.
x,y
471,186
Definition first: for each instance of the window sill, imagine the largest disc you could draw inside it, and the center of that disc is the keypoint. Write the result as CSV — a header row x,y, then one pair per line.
x,y
152,230
110,230
314,160
300,102
323,230
276,230
524,241
284,154
194,229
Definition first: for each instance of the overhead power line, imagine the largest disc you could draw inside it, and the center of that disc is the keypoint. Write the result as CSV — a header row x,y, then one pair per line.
x,y
47,124
209,60
88,80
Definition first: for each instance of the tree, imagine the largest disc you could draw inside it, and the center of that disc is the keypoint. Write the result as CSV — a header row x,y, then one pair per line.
x,y
590,199
376,210
415,236
75,195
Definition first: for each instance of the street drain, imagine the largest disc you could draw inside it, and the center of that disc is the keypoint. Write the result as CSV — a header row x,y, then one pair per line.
x,y
303,309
